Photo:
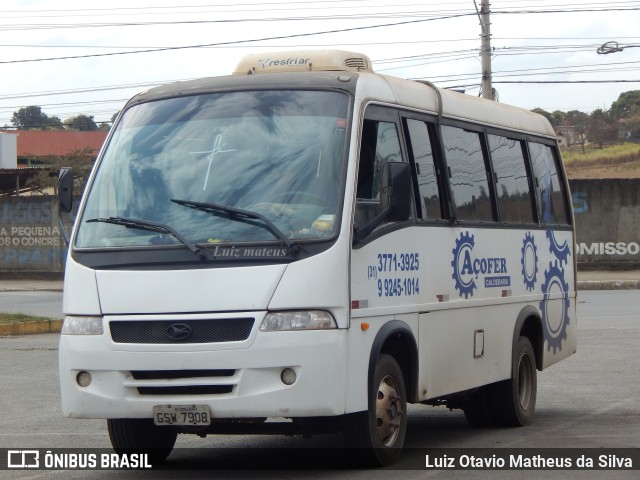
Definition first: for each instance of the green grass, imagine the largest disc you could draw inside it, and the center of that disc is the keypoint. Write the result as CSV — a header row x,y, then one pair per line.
x,y
610,155
20,318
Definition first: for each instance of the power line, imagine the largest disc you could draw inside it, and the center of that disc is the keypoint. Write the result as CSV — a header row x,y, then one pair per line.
x,y
566,69
74,91
149,11
447,55
269,6
360,16
511,7
279,37
439,40
354,16
567,81
288,4
533,82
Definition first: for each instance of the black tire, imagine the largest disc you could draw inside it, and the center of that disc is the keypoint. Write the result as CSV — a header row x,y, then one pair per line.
x,y
140,435
477,408
379,433
514,401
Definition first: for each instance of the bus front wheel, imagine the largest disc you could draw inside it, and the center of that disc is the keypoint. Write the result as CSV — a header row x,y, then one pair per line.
x,y
379,433
140,435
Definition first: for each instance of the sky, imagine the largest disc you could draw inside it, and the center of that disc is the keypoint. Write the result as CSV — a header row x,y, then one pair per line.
x,y
73,57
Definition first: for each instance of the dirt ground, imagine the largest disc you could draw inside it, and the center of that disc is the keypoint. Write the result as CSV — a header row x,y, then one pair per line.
x,y
591,170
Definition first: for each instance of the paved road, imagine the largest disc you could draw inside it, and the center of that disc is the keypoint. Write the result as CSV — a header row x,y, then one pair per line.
x,y
587,401
38,303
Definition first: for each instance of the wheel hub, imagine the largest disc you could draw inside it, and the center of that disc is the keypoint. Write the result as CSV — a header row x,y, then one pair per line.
x,y
388,411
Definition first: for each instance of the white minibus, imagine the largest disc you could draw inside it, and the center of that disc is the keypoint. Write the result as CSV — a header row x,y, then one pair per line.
x,y
306,247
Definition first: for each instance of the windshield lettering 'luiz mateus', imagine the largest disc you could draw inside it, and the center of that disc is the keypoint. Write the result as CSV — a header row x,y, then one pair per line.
x,y
268,163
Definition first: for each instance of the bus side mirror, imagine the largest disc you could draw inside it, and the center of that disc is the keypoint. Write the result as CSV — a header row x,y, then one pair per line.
x,y
65,189
395,194
395,198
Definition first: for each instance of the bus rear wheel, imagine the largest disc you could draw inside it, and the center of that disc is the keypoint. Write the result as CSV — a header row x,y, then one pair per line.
x,y
514,400
140,435
379,433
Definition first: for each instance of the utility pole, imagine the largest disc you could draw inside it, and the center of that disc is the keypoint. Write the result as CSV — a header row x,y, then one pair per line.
x,y
485,49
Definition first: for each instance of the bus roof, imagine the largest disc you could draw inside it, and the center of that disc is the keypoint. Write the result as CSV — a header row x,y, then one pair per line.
x,y
344,70
419,95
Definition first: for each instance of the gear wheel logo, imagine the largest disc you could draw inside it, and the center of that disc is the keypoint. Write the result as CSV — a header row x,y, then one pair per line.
x,y
529,262
554,282
561,252
463,276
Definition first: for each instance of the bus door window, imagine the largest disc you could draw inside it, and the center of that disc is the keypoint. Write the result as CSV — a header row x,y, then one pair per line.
x,y
380,144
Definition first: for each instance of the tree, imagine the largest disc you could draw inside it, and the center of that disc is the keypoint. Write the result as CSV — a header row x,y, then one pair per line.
x,y
559,117
627,105
602,128
54,123
578,120
33,118
81,123
631,127
546,114
47,178
627,110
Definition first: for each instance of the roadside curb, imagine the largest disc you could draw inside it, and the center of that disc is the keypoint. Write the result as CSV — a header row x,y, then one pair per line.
x,y
30,286
27,289
26,328
608,284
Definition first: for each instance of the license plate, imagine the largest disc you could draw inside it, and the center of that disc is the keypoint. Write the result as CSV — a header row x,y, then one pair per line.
x,y
181,415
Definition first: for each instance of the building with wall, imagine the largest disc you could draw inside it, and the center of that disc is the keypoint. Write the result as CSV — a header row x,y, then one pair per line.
x,y
34,147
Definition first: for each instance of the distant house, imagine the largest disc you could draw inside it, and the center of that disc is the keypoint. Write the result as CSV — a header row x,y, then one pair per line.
x,y
566,135
34,146
41,143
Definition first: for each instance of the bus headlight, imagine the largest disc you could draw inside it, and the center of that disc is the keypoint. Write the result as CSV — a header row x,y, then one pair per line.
x,y
82,326
298,320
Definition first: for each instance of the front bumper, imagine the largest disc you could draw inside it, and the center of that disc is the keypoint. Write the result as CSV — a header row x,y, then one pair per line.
x,y
235,379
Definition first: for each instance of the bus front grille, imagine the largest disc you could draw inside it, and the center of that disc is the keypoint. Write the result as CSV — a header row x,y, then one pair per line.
x,y
181,331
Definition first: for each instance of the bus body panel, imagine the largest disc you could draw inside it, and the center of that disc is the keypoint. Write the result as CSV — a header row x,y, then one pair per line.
x,y
360,338
80,289
321,281
194,290
469,289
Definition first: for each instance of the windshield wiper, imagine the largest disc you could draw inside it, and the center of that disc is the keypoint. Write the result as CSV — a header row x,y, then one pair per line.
x,y
153,227
241,215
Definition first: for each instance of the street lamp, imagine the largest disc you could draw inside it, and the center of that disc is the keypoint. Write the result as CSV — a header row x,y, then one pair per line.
x,y
613,47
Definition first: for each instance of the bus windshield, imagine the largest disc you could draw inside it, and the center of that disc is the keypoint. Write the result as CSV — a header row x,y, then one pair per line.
x,y
277,156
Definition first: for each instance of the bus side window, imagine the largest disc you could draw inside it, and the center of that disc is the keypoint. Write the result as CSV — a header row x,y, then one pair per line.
x,y
512,183
549,187
467,167
425,169
379,144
